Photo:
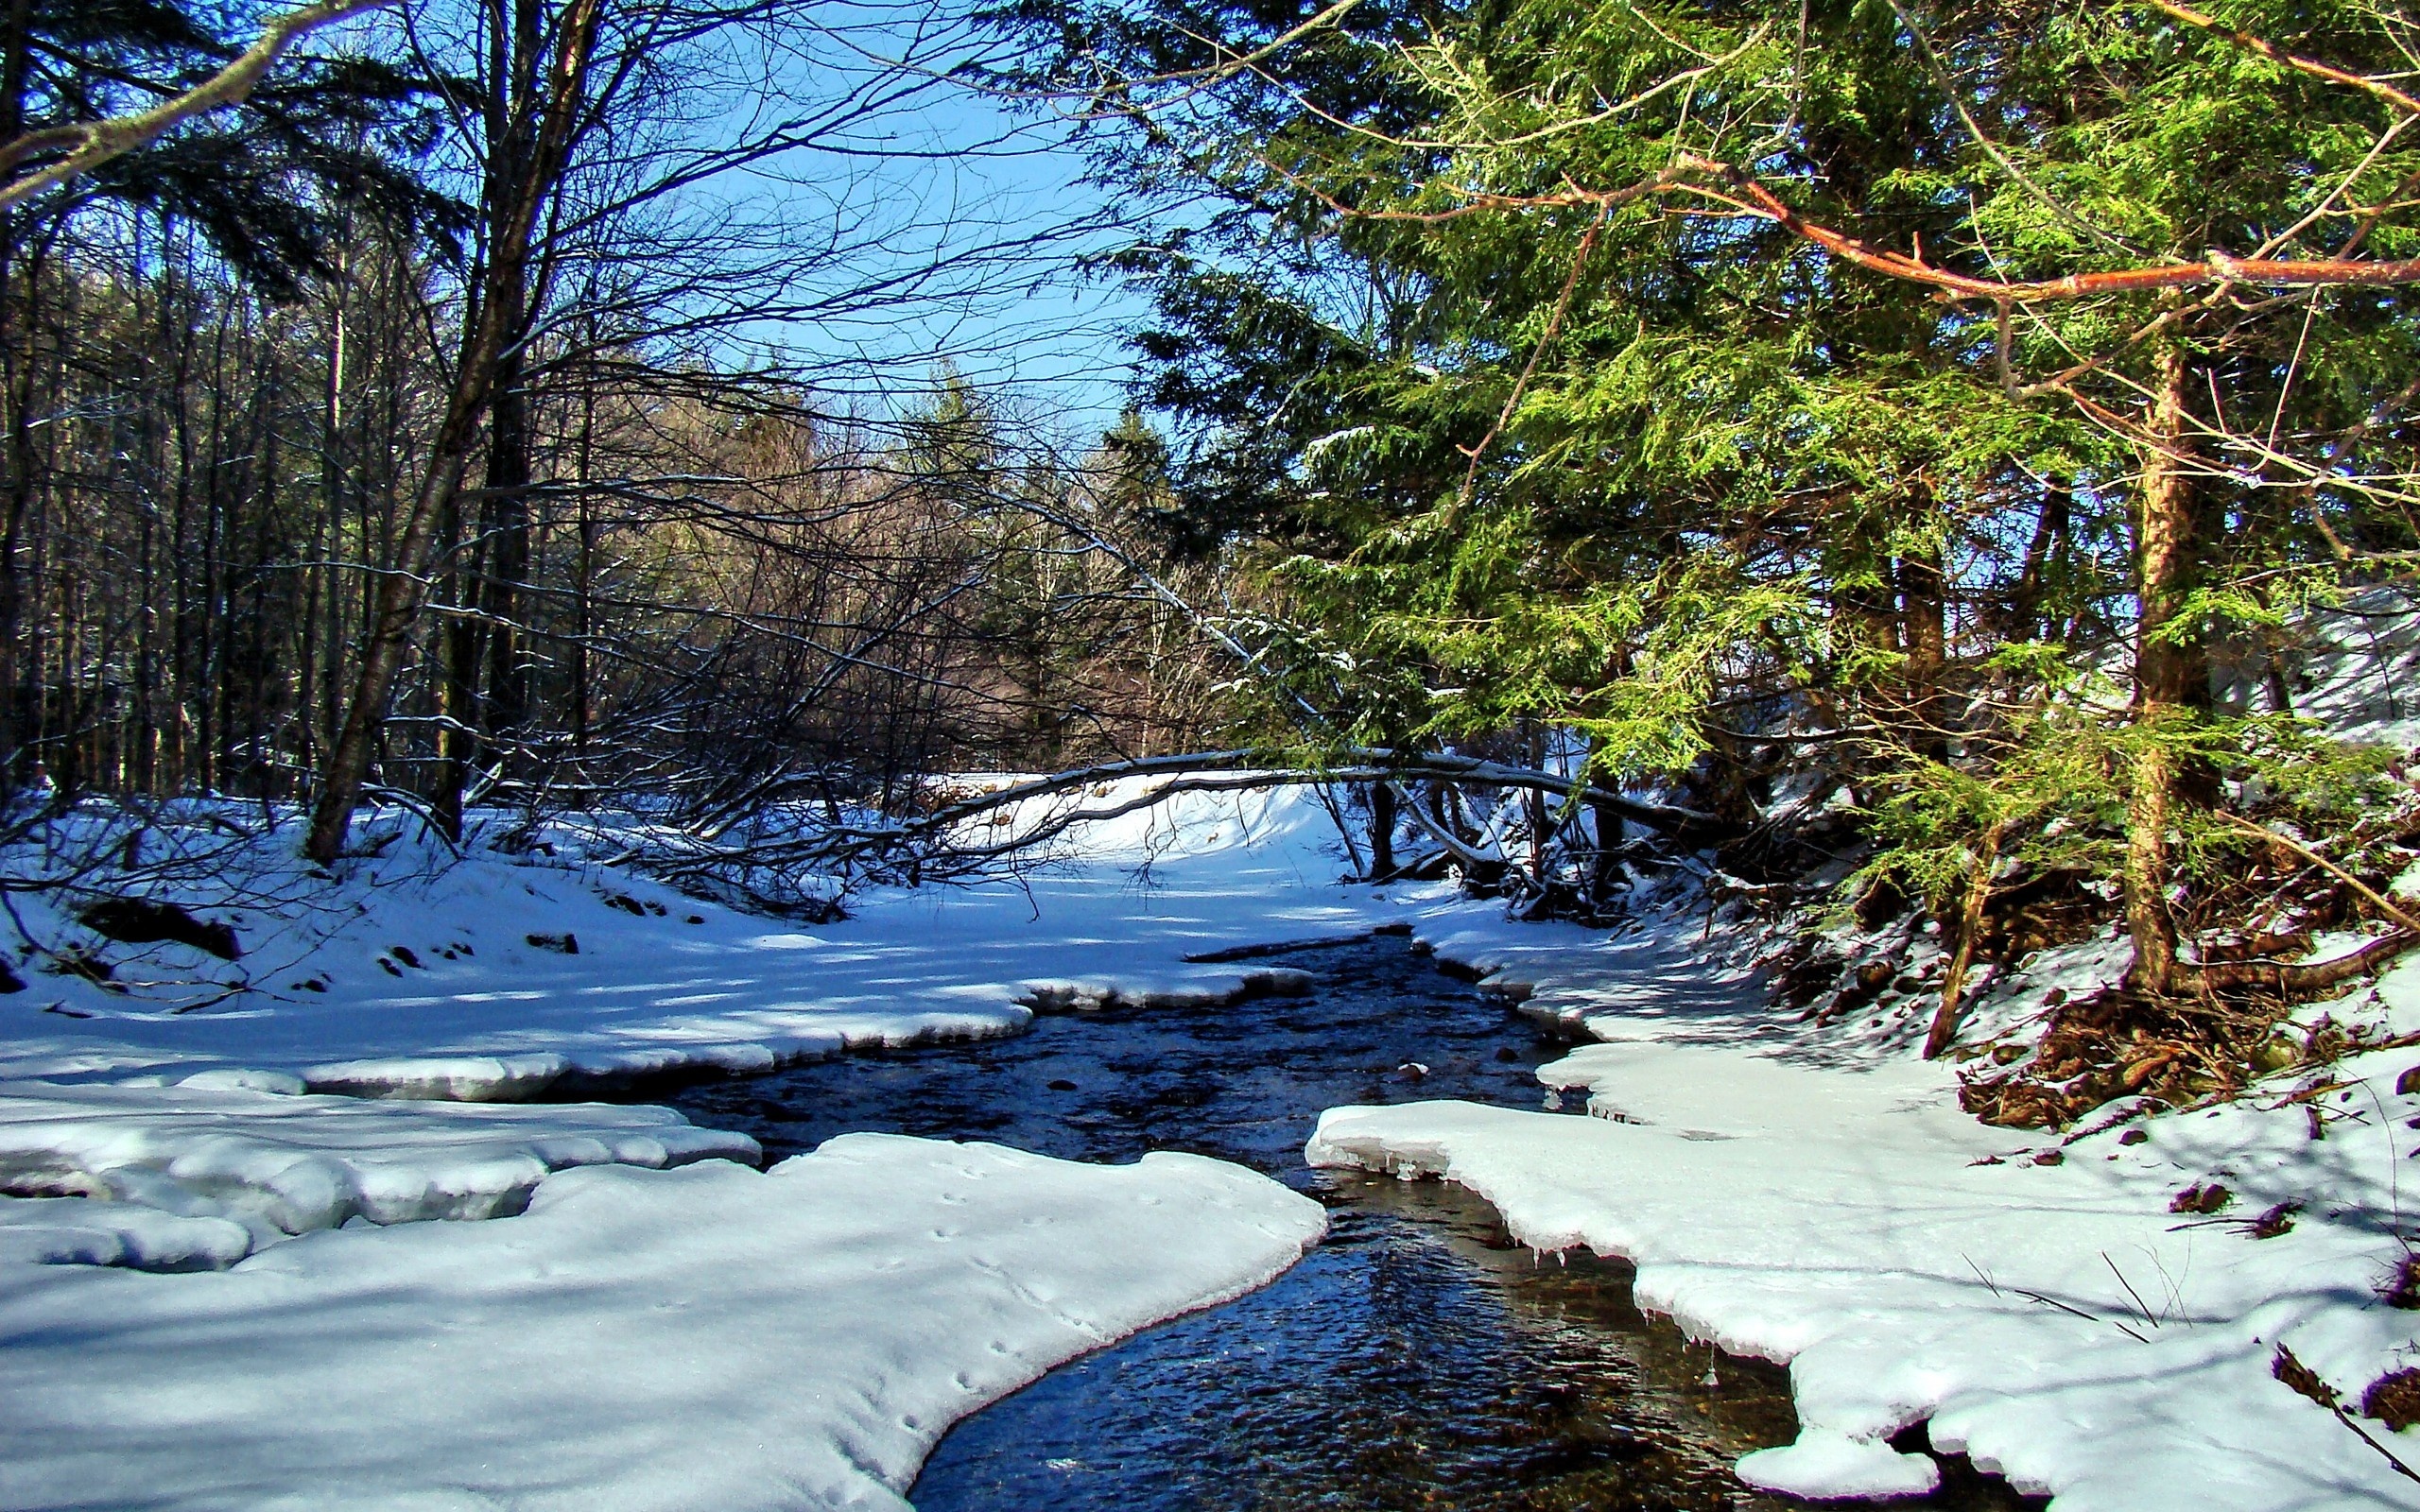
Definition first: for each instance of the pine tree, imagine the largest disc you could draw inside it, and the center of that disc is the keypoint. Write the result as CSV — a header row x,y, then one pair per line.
x,y
1682,376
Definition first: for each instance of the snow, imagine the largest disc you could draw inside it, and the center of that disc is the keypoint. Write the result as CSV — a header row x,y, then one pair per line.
x,y
709,1336
1826,1466
613,1313
2356,674
2056,1321
86,1231
201,1160
414,975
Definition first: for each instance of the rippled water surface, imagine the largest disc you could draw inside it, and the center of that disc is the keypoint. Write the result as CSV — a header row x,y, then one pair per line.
x,y
1417,1358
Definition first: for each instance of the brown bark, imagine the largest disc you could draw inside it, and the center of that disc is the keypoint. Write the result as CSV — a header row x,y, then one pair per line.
x,y
1735,189
2171,672
1970,927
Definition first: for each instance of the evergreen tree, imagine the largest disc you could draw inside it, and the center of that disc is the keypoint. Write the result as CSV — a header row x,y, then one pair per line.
x,y
1694,376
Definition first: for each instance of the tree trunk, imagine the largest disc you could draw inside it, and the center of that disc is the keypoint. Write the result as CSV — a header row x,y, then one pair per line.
x,y
1969,926
2171,672
16,366
2050,532
552,117
457,673
393,612
1924,630
1534,810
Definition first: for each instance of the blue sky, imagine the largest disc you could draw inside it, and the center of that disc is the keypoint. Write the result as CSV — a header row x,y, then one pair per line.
x,y
942,171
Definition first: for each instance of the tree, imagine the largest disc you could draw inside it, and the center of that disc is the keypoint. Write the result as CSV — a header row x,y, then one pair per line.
x,y
1709,380
49,157
119,109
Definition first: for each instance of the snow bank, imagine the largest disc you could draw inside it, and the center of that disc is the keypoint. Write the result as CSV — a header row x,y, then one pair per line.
x,y
87,1231
199,1174
2055,1321
1813,1195
1808,1194
705,1337
2358,674
490,980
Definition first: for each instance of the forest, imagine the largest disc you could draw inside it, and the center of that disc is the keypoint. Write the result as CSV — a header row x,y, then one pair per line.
x,y
1910,505
417,427
1834,426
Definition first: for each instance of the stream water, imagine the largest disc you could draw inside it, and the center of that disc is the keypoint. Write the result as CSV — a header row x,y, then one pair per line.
x,y
1417,1358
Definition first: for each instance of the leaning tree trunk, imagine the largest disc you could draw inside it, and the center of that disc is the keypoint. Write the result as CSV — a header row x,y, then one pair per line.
x,y
392,614
514,205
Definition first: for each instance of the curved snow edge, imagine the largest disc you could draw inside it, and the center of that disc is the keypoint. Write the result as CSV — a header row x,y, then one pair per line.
x,y
637,1341
2055,1322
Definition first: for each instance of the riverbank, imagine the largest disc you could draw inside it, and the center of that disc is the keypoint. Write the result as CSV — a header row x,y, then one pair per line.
x,y
1810,1195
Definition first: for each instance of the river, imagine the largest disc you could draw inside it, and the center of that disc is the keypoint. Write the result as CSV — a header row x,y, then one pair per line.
x,y
1417,1358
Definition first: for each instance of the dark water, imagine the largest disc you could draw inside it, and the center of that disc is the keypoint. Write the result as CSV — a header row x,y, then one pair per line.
x,y
1417,1358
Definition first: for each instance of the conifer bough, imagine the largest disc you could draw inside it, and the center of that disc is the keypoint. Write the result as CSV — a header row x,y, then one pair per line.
x,y
1740,192
88,144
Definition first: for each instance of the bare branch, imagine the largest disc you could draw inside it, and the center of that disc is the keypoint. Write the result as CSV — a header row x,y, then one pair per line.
x,y
2375,88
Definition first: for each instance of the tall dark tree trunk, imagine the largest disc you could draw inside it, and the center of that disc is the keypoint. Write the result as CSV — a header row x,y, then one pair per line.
x,y
1382,831
16,368
513,208
457,674
509,473
2049,533
584,592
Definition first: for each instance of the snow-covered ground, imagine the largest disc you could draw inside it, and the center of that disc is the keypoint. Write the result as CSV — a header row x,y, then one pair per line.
x,y
137,1175
707,1337
1807,1193
619,1334
2057,1322
417,978
1813,1195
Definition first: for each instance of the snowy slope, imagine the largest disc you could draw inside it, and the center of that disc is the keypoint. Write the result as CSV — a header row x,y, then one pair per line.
x,y
416,978
2359,674
704,1337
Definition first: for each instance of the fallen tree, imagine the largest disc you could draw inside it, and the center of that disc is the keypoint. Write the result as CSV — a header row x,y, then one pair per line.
x,y
934,846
